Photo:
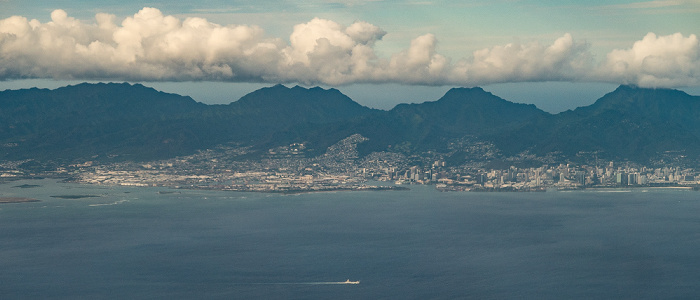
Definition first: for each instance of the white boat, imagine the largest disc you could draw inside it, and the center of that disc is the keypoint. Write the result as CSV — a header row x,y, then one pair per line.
x,y
351,282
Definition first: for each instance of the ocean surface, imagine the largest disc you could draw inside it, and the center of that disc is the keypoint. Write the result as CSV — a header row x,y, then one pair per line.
x,y
156,243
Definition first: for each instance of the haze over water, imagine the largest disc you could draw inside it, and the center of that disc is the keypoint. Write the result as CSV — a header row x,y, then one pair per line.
x,y
418,244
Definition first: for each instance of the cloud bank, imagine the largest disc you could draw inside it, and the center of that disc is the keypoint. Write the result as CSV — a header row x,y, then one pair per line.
x,y
150,46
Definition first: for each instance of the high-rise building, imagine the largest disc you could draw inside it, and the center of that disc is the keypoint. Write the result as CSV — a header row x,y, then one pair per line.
x,y
632,179
622,179
580,177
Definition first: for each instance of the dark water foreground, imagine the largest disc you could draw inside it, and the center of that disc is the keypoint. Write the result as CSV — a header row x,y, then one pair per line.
x,y
135,243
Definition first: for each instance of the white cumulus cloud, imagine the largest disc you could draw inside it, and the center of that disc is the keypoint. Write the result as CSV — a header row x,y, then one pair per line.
x,y
150,46
656,61
564,60
147,46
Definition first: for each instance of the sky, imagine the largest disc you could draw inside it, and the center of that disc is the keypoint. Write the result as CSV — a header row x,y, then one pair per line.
x,y
557,55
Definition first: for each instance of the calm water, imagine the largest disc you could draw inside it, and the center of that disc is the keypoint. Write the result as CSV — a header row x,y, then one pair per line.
x,y
419,244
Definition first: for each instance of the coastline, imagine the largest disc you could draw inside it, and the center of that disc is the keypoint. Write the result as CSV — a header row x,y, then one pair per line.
x,y
306,191
4,200
294,190
603,189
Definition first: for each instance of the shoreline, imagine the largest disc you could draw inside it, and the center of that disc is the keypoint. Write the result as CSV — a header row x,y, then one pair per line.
x,y
356,188
306,191
4,200
692,188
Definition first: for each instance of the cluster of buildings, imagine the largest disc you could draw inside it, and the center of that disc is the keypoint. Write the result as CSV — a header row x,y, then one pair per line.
x,y
287,169
563,176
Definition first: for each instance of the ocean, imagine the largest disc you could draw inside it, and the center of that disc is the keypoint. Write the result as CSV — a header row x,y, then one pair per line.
x,y
158,243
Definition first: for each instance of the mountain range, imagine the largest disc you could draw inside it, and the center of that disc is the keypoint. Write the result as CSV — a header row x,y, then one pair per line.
x,y
125,122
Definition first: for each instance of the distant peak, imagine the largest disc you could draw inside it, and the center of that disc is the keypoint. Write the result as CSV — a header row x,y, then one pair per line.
x,y
634,87
301,88
626,87
278,94
633,95
467,90
462,91
108,84
475,88
632,90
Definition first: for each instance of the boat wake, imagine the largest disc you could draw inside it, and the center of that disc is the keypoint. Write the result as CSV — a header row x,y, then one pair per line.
x,y
304,283
109,204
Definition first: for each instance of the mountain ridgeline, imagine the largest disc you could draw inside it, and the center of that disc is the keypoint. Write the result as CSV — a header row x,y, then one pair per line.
x,y
124,122
629,123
